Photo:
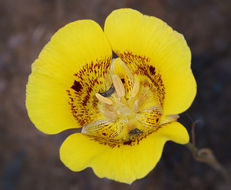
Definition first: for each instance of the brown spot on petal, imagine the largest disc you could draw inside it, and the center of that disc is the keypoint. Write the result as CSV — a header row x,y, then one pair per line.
x,y
76,86
152,70
128,142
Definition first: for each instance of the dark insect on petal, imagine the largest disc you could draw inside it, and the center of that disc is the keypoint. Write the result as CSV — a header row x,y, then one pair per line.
x,y
135,131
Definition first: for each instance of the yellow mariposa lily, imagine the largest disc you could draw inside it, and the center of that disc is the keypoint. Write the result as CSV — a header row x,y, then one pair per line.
x,y
127,107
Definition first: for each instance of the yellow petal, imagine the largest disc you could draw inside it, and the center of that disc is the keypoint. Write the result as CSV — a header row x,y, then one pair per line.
x,y
78,150
125,163
174,131
61,89
149,44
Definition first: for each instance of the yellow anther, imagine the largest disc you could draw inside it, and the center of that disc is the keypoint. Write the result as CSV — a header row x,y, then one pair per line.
x,y
103,99
135,89
118,85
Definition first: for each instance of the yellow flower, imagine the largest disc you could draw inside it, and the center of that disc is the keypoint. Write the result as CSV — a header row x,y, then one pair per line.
x,y
127,107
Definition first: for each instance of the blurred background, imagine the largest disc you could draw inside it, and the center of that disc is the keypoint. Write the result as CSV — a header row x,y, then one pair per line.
x,y
29,159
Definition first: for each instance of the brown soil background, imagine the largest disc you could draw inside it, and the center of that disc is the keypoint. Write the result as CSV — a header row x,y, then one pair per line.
x,y
29,159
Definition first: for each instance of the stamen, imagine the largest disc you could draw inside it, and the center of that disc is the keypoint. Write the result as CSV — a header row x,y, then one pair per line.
x,y
119,87
135,89
103,99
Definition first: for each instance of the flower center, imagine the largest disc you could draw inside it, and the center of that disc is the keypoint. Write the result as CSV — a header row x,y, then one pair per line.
x,y
118,103
131,107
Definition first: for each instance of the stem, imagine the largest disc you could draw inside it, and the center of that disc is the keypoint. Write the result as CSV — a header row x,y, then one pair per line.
x,y
205,155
